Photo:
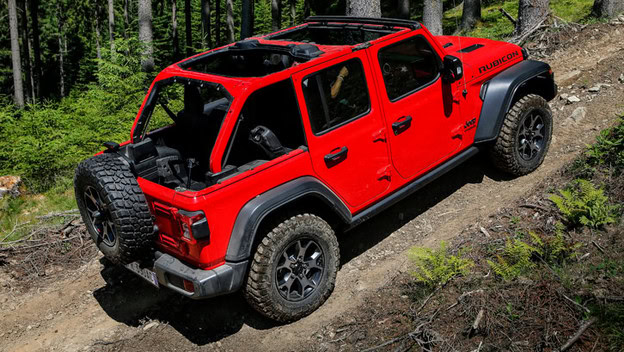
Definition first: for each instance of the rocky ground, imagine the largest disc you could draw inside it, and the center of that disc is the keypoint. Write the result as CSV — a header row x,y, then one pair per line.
x,y
98,307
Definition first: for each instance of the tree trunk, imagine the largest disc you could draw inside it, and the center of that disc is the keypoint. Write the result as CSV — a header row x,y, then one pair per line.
x,y
363,8
607,8
189,28
404,9
60,24
218,22
98,36
471,13
206,38
15,56
34,15
229,4
30,94
126,20
174,29
145,34
432,16
276,15
530,14
247,19
306,8
111,25
293,12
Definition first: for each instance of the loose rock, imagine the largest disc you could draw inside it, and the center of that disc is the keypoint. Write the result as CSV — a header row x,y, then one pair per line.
x,y
577,115
594,89
150,325
573,99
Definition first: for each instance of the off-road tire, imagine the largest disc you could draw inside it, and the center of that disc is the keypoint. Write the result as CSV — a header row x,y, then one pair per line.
x,y
123,204
505,153
261,290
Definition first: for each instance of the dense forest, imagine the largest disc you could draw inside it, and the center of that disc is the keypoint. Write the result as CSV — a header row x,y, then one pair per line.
x,y
74,72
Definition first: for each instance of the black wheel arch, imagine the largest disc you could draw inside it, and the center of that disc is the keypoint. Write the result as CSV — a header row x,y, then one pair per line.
x,y
501,92
305,193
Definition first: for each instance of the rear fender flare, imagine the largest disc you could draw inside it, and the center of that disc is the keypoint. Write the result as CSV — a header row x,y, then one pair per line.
x,y
251,215
500,92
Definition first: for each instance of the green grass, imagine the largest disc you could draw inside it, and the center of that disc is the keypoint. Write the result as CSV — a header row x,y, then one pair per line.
x,y
494,25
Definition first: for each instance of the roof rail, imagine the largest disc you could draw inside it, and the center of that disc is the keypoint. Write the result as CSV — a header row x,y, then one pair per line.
x,y
366,20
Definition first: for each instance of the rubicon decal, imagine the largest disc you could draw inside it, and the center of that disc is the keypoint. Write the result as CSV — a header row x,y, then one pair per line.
x,y
498,62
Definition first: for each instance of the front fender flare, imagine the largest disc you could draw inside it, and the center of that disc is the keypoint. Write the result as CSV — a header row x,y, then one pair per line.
x,y
500,91
252,213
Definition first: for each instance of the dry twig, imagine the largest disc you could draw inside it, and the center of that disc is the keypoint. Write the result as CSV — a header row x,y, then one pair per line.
x,y
578,334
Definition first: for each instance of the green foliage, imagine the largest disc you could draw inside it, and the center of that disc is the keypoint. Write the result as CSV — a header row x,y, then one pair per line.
x,y
609,148
583,204
436,267
553,249
515,260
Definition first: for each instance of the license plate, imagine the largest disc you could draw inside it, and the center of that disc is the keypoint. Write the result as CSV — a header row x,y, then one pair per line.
x,y
145,273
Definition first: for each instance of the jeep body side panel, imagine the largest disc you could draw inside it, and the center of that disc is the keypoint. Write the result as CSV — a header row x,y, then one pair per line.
x,y
500,91
252,214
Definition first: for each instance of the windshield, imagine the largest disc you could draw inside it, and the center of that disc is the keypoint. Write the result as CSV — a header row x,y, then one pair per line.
x,y
189,104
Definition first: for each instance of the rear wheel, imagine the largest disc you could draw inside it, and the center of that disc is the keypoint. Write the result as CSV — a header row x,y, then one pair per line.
x,y
113,208
293,271
525,136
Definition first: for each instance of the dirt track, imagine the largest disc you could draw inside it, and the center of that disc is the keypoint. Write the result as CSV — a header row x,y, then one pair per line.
x,y
100,307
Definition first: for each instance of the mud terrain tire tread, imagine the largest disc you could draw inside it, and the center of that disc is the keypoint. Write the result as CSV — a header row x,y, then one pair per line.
x,y
260,291
129,212
503,153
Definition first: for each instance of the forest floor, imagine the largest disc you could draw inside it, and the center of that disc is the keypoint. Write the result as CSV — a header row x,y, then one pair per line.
x,y
84,304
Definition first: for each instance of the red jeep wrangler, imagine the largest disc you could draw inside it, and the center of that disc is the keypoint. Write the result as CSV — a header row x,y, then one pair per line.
x,y
244,161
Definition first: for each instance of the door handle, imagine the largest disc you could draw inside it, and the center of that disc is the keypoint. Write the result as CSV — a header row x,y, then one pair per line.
x,y
333,159
401,124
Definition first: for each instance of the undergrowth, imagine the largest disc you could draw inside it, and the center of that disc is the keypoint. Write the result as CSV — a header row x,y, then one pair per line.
x,y
436,266
581,203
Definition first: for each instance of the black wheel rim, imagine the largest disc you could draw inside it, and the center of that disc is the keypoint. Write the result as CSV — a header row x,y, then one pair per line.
x,y
99,217
531,136
299,269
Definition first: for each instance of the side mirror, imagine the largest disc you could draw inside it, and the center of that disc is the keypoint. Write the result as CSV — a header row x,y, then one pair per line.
x,y
453,69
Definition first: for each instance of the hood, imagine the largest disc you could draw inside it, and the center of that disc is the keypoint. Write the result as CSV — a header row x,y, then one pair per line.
x,y
481,57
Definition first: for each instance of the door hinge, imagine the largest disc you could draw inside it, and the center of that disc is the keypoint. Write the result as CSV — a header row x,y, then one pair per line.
x,y
385,172
380,135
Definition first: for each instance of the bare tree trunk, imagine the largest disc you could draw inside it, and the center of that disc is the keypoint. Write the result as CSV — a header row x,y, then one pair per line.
x,y
471,13
607,8
98,36
145,34
126,20
247,19
293,12
30,94
60,24
404,9
111,25
189,29
531,13
15,56
34,16
218,22
206,38
229,20
432,16
364,8
276,14
306,8
174,29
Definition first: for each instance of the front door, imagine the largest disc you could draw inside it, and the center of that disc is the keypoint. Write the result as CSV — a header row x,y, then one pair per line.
x,y
421,118
344,129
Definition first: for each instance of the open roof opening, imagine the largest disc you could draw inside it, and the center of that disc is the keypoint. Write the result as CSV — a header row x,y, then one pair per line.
x,y
333,34
249,58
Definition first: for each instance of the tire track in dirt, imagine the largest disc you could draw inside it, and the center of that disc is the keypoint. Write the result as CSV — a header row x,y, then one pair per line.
x,y
93,310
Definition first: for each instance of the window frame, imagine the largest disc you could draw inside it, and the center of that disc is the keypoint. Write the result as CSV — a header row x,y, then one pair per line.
x,y
326,107
433,80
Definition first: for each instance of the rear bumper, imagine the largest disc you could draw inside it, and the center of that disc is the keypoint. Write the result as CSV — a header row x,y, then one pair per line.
x,y
221,280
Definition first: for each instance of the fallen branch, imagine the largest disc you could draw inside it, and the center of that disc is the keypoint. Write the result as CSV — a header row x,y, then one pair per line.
x,y
598,246
58,213
509,17
578,334
463,295
535,206
477,321
575,303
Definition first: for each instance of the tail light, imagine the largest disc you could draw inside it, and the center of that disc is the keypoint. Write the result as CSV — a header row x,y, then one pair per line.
x,y
193,225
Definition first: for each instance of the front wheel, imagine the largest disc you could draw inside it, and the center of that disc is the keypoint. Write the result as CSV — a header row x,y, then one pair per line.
x,y
293,271
525,136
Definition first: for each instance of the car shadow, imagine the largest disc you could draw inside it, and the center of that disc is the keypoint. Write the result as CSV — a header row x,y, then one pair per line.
x,y
130,300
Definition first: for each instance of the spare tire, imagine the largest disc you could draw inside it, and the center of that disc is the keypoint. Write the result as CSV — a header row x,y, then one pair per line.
x,y
114,208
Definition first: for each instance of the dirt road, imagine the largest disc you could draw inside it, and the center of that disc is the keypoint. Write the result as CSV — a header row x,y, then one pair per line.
x,y
100,307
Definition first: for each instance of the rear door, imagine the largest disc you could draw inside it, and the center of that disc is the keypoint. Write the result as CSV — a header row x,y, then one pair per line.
x,y
344,128
423,122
